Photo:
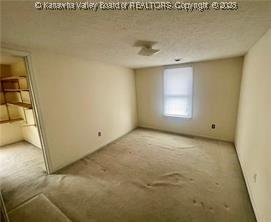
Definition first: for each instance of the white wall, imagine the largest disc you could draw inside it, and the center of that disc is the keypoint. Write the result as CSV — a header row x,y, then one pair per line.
x,y
253,134
10,133
216,94
30,131
78,98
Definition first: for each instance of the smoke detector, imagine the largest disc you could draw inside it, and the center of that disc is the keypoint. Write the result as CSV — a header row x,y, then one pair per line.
x,y
146,48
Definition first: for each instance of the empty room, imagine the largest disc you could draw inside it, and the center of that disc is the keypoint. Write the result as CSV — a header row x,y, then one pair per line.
x,y
135,111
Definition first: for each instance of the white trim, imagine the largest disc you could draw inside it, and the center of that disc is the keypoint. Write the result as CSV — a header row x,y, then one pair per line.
x,y
36,106
178,116
176,66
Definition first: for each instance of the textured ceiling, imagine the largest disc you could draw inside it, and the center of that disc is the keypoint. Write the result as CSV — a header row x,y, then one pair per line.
x,y
109,36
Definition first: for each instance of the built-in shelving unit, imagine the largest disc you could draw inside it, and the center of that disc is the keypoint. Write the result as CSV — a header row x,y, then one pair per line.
x,y
14,86
20,104
11,120
15,90
12,78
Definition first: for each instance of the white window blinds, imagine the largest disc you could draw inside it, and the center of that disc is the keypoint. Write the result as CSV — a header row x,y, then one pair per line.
x,y
178,92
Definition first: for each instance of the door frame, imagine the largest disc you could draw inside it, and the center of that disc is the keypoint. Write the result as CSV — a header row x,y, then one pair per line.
x,y
35,103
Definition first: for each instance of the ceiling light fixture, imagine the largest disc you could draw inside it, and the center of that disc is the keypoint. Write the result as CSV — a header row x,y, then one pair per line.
x,y
146,48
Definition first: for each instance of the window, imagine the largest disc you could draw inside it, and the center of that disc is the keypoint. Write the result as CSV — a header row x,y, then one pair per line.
x,y
178,91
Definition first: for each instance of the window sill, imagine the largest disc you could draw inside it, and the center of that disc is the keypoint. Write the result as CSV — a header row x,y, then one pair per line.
x,y
178,116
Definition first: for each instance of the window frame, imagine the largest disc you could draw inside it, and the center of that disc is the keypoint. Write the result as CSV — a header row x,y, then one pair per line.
x,y
178,96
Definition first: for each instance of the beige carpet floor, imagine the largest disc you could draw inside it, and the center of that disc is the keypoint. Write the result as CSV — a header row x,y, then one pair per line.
x,y
147,176
20,163
38,208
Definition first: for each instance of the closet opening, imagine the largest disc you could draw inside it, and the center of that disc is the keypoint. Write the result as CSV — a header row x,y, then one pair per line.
x,y
22,147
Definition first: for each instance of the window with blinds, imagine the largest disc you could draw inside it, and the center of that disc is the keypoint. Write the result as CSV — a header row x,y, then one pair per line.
x,y
178,92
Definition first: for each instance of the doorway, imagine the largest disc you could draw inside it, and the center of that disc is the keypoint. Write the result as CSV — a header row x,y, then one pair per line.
x,y
23,155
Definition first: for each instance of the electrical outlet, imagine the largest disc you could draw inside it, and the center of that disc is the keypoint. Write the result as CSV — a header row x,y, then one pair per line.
x,y
213,126
99,133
